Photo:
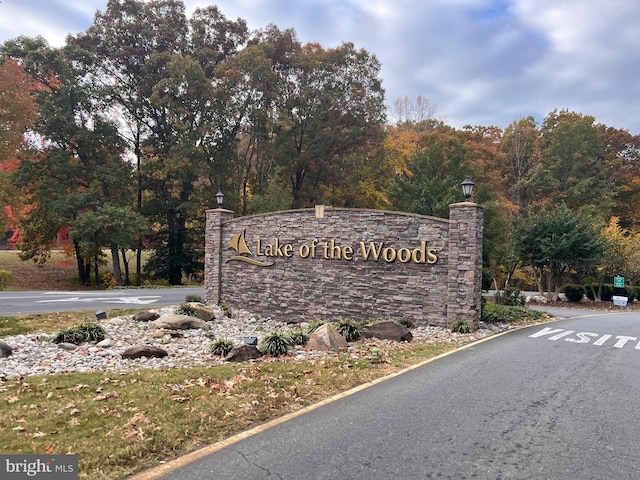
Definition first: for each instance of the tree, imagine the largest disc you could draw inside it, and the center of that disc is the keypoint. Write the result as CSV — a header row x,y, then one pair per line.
x,y
332,109
418,116
617,252
432,180
520,146
622,157
78,168
163,75
18,111
556,242
18,108
572,167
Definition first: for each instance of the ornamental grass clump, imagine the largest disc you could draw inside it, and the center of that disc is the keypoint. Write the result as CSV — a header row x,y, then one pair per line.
x,y
461,326
299,337
85,332
221,347
186,309
351,331
226,309
275,344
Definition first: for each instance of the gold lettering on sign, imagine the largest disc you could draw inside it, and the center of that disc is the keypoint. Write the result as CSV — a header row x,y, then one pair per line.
x,y
306,251
335,252
275,249
375,251
330,250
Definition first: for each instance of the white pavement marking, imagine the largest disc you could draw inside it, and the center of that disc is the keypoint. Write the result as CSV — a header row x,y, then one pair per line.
x,y
127,300
554,334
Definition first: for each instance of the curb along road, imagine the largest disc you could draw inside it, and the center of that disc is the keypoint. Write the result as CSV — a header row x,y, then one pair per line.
x,y
531,404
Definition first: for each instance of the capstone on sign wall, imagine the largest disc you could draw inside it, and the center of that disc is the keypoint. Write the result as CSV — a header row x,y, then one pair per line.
x,y
335,263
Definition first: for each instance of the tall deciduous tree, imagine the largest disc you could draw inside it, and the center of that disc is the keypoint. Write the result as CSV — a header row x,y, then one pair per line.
x,y
520,146
556,242
18,112
622,156
79,168
18,108
163,73
572,168
332,108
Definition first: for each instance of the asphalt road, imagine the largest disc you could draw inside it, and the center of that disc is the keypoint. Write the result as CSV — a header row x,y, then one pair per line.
x,y
558,401
15,303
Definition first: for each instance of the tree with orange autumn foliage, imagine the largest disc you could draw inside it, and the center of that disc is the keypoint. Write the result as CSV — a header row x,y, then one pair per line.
x,y
18,112
622,158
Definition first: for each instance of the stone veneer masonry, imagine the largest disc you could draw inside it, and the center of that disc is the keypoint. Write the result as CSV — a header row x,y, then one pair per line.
x,y
335,281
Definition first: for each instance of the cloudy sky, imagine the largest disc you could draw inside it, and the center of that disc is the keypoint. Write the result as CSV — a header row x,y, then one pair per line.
x,y
480,62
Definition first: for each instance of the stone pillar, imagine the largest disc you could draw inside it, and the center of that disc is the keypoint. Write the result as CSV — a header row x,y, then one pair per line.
x,y
213,247
465,263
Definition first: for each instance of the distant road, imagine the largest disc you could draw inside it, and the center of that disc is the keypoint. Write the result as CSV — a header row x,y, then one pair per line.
x,y
16,303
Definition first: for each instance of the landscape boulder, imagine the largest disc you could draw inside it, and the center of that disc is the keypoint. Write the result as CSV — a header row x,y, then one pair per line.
x,y
173,321
146,316
138,351
327,339
5,349
202,311
388,330
242,353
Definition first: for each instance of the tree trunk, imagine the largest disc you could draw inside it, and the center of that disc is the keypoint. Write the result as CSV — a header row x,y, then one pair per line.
x,y
537,276
96,271
115,260
139,264
83,277
175,246
125,262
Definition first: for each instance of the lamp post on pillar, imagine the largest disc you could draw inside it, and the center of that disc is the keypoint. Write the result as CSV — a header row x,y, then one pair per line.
x,y
219,197
465,259
467,188
215,220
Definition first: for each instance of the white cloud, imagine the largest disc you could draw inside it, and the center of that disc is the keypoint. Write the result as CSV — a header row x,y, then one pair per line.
x,y
482,62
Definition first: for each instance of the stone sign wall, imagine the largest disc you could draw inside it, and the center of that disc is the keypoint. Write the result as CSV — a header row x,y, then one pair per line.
x,y
336,263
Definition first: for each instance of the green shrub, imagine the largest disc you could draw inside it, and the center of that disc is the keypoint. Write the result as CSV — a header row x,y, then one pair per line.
x,y
186,309
493,313
461,326
85,332
510,297
574,293
5,279
351,331
194,299
275,344
298,337
221,347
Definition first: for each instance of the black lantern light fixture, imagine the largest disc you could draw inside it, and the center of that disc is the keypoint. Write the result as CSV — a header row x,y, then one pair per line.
x,y
219,198
467,188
